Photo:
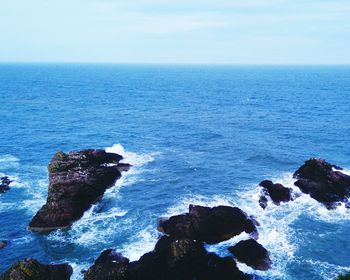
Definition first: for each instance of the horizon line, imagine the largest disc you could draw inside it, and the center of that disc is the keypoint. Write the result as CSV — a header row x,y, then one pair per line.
x,y
167,63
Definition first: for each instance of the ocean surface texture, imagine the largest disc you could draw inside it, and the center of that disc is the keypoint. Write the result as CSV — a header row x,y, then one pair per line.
x,y
195,134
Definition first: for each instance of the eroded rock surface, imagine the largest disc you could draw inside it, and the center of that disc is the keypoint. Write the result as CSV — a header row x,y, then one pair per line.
x,y
323,182
277,192
252,253
76,181
30,269
172,259
210,225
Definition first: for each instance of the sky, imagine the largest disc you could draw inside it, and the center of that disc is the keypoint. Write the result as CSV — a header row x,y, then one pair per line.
x,y
176,31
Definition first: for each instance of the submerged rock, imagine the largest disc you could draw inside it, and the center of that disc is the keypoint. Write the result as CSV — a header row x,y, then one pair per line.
x,y
277,192
76,180
5,184
172,259
30,269
3,244
252,253
324,184
210,225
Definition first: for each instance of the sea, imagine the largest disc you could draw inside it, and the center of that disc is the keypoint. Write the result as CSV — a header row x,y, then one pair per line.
x,y
195,134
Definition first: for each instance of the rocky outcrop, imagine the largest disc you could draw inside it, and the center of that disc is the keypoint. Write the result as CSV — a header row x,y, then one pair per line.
x,y
210,225
5,184
31,269
180,254
172,259
76,180
323,182
3,244
252,253
277,192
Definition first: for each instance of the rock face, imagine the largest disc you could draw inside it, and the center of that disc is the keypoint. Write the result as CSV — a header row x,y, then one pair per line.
x,y
252,253
172,259
31,269
76,180
318,179
210,225
277,192
5,184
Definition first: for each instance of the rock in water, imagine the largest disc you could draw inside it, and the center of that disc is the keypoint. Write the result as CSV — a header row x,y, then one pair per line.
x,y
252,253
3,244
5,184
277,192
317,178
109,266
76,180
172,259
31,269
210,225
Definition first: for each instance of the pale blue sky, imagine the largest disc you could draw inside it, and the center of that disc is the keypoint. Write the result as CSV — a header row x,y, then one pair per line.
x,y
176,31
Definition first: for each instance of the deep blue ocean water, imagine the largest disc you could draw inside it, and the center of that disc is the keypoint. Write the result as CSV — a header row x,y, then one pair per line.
x,y
195,134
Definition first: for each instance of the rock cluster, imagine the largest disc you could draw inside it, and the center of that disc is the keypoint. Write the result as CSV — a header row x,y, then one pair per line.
x,y
30,269
321,180
76,180
180,254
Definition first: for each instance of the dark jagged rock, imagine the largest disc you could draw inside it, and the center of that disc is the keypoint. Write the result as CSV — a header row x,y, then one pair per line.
x,y
5,184
31,269
277,192
318,179
3,244
252,253
109,266
210,225
76,180
171,259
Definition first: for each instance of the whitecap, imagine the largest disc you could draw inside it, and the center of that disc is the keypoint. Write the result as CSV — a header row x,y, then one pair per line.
x,y
7,161
141,243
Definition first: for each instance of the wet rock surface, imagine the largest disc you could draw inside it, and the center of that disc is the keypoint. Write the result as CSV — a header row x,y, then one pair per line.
x,y
323,182
172,259
30,269
277,192
252,253
76,181
210,225
5,184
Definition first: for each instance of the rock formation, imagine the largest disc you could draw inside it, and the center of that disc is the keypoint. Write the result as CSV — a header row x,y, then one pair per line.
x,y
30,269
172,259
210,225
322,182
76,180
180,254
5,184
252,253
277,192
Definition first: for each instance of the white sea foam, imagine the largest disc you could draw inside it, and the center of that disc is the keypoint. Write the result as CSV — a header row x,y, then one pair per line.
x,y
7,161
142,242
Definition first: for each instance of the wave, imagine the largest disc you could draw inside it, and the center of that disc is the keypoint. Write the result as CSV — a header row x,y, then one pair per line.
x,y
8,161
